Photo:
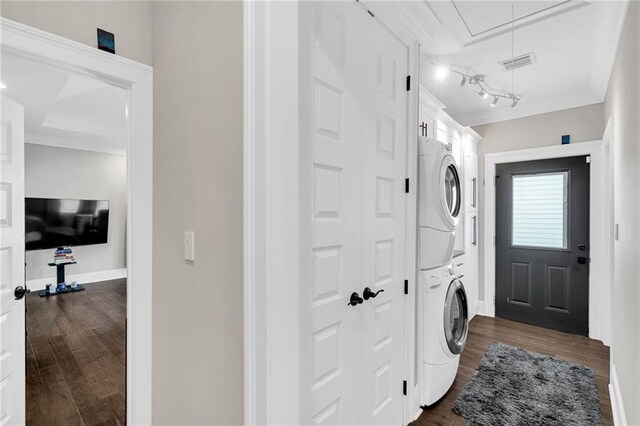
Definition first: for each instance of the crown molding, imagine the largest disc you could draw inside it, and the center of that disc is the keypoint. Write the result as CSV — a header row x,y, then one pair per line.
x,y
605,62
9,27
68,143
528,109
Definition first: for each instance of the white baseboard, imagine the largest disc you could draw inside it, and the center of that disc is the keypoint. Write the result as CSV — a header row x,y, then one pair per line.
x,y
480,308
89,277
617,407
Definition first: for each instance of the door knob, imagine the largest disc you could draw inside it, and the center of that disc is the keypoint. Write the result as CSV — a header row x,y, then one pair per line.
x,y
582,260
20,291
368,294
355,299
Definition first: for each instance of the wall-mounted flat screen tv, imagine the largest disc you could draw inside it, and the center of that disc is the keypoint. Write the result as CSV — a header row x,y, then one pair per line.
x,y
54,222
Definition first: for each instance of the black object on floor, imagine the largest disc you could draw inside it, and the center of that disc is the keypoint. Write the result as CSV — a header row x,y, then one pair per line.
x,y
45,293
513,386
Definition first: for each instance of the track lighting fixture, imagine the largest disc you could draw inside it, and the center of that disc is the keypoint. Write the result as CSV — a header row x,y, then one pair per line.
x,y
478,80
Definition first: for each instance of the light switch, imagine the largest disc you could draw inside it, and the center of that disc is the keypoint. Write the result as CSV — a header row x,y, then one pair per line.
x,y
189,246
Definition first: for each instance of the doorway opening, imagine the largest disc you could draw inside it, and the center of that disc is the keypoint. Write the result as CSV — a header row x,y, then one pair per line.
x,y
599,231
542,243
76,224
75,208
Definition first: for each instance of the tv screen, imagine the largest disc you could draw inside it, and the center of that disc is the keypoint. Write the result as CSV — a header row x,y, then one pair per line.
x,y
52,222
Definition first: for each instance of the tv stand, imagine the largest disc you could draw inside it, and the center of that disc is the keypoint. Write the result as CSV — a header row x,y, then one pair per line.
x,y
60,269
61,280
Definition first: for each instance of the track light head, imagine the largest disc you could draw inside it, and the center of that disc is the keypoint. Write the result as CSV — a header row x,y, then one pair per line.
x,y
483,94
464,81
495,101
514,103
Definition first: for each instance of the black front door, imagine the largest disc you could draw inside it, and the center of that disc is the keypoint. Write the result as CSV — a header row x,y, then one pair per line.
x,y
542,243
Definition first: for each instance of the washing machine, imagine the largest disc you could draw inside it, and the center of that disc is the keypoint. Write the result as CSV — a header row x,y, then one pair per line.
x,y
445,327
439,203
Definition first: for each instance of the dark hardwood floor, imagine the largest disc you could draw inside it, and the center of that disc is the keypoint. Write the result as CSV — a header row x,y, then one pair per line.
x,y
76,356
484,330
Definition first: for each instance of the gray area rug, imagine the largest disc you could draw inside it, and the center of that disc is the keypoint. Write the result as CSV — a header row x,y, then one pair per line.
x,y
517,387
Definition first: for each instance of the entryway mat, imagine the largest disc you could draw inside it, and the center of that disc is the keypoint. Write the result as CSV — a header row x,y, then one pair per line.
x,y
513,386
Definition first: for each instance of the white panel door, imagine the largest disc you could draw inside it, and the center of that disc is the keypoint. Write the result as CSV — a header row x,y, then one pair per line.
x,y
353,107
383,233
331,171
12,313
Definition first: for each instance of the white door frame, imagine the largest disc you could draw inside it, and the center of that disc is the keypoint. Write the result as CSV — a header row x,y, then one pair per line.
x,y
271,211
137,80
599,283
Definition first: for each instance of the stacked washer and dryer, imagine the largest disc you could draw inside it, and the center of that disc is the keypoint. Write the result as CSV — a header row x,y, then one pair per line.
x,y
445,312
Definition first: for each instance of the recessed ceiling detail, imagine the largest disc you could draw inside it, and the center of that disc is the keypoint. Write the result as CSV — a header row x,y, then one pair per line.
x,y
574,42
481,17
473,21
62,105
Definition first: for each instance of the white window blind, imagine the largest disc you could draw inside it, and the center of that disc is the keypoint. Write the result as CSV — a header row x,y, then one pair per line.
x,y
540,210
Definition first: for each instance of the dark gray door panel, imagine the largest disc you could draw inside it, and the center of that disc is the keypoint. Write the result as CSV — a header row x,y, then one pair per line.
x,y
540,278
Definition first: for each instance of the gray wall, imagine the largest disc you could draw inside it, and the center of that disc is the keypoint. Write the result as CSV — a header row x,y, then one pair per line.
x,y
583,124
52,172
197,307
130,21
623,104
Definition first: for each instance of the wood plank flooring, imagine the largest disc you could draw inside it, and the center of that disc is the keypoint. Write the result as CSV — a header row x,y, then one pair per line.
x,y
484,330
76,356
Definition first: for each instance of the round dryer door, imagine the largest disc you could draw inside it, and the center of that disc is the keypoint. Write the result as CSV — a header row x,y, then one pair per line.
x,y
451,195
456,317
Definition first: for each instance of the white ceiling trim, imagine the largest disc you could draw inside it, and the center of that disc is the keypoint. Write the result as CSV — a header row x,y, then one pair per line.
x,y
58,142
603,64
456,22
526,110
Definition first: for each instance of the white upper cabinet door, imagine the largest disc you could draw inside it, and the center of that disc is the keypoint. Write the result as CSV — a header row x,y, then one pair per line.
x,y
428,122
12,313
456,150
383,225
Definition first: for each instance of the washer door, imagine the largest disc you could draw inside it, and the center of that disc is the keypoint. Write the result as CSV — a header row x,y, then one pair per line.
x,y
450,193
456,317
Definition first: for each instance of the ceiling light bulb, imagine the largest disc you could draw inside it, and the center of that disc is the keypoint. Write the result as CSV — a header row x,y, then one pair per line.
x,y
495,101
441,72
2,85
483,94
464,81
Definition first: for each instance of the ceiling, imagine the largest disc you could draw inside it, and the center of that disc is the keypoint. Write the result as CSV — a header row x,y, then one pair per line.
x,y
574,43
63,108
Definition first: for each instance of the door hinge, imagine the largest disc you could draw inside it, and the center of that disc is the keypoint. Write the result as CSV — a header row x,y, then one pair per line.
x,y
588,158
495,180
406,286
408,83
404,387
406,185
